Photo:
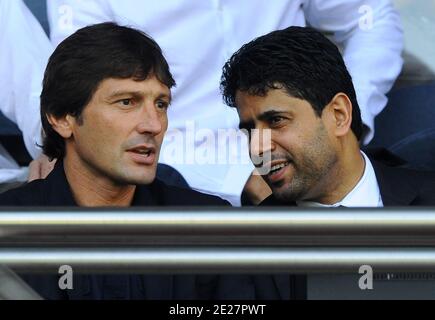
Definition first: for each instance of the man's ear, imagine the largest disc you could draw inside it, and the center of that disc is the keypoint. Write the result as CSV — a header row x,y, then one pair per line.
x,y
62,125
340,114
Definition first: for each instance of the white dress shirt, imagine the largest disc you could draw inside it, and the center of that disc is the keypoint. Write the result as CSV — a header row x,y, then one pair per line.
x,y
365,194
24,52
197,37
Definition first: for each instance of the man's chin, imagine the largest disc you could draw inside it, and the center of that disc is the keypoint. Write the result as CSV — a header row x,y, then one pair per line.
x,y
286,193
144,179
278,187
136,178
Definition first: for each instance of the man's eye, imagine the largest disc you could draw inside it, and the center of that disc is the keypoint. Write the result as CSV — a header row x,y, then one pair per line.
x,y
125,102
276,120
162,105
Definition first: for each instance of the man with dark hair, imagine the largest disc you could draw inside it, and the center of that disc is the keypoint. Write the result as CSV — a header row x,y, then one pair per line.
x,y
104,104
293,84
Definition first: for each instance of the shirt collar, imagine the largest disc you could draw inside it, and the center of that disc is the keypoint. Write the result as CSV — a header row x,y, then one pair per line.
x,y
60,193
365,194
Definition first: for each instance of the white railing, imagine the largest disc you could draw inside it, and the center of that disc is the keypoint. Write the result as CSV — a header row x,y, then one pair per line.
x,y
233,240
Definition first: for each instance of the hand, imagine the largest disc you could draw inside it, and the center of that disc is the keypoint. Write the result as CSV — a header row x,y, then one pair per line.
x,y
256,189
40,168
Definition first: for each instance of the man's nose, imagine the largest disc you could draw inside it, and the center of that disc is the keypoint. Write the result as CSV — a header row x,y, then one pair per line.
x,y
260,142
151,122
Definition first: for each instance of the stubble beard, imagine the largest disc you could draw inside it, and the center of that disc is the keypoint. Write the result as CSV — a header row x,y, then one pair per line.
x,y
314,170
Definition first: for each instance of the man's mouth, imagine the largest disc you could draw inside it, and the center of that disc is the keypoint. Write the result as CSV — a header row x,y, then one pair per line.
x,y
143,154
277,171
276,167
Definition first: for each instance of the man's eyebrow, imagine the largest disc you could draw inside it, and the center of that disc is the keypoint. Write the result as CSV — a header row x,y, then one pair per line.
x,y
120,93
269,113
262,117
165,96
135,94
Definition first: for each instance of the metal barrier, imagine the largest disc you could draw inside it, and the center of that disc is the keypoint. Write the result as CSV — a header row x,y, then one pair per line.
x,y
233,240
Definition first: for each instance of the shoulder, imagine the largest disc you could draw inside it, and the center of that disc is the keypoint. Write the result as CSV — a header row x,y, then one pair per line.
x,y
404,174
389,166
171,195
419,179
405,186
30,194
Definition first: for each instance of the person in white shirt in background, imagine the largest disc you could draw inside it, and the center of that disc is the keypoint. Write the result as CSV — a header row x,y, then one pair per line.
x,y
24,52
197,37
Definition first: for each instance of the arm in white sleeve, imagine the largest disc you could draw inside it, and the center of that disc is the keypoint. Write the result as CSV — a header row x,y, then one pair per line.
x,y
67,16
24,53
370,33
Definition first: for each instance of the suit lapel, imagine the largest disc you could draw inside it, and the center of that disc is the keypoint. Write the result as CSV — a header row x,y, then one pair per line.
x,y
395,188
58,190
143,197
153,286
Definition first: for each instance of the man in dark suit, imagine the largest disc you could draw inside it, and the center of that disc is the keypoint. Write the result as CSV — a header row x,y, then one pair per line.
x,y
104,103
297,103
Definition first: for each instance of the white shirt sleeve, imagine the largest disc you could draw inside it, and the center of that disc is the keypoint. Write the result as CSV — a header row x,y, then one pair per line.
x,y
371,36
71,15
24,53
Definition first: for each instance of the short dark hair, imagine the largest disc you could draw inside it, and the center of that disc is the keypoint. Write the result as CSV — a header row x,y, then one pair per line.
x,y
83,60
300,60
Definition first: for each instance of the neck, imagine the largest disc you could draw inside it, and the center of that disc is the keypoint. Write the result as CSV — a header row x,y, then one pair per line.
x,y
351,166
94,190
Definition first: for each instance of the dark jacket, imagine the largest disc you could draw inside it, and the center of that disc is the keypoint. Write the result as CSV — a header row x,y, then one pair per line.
x,y
55,191
399,186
